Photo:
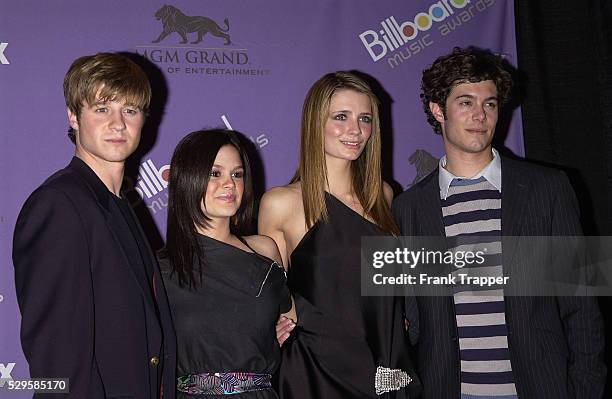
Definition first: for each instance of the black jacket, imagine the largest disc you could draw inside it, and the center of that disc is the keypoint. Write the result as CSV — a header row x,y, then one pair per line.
x,y
556,343
88,313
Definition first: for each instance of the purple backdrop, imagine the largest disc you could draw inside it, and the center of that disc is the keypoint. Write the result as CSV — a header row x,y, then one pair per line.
x,y
256,85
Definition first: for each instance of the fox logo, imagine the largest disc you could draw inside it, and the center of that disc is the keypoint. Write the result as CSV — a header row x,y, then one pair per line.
x,y
5,373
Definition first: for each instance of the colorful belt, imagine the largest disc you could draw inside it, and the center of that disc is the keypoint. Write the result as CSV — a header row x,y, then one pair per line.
x,y
223,383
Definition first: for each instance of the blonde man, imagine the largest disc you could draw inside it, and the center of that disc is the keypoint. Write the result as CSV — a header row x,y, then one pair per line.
x,y
92,302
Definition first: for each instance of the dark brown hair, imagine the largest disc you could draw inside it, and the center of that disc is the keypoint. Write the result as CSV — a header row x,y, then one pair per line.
x,y
190,167
463,65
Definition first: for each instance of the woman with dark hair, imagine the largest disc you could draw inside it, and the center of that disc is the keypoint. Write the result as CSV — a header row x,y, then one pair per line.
x,y
345,345
226,291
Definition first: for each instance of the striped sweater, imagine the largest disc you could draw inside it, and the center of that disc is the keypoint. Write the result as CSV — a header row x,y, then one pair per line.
x,y
472,222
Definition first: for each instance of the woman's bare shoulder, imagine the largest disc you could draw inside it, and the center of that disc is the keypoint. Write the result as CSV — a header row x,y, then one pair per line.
x,y
282,198
279,193
265,246
388,193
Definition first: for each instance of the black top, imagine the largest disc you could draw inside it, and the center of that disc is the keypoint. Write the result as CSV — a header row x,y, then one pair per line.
x,y
341,335
228,323
134,249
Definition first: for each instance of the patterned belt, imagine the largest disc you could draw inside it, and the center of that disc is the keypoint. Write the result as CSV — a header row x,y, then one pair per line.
x,y
223,383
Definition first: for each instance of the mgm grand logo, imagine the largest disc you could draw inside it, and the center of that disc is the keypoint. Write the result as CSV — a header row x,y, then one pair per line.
x,y
184,57
174,20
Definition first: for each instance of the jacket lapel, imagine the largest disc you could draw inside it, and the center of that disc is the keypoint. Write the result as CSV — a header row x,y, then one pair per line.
x,y
514,193
430,208
431,223
117,225
122,234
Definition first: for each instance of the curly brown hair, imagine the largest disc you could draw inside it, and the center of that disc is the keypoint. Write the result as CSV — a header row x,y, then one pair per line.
x,y
463,65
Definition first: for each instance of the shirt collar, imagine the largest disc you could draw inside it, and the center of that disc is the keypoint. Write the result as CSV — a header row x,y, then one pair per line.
x,y
491,172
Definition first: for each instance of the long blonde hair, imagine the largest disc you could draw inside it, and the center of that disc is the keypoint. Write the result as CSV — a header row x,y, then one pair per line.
x,y
365,171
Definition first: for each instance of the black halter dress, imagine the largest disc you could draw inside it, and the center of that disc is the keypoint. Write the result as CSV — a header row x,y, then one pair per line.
x,y
227,326
341,336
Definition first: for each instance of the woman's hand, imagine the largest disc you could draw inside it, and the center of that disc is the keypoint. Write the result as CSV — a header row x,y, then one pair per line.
x,y
284,326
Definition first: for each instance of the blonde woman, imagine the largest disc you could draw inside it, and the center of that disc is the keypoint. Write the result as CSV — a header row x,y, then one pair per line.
x,y
336,196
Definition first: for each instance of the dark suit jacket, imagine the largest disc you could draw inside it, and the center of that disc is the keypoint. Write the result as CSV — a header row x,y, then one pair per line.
x,y
87,313
556,343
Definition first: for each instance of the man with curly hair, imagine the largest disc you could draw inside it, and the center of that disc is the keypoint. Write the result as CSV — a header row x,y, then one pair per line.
x,y
485,344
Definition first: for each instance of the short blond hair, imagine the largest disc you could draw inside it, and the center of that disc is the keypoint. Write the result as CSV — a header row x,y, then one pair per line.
x,y
105,77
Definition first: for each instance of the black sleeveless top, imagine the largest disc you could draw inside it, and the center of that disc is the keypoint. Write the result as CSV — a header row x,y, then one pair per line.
x,y
341,336
228,323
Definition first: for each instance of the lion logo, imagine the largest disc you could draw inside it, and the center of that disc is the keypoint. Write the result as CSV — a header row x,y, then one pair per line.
x,y
424,163
173,20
